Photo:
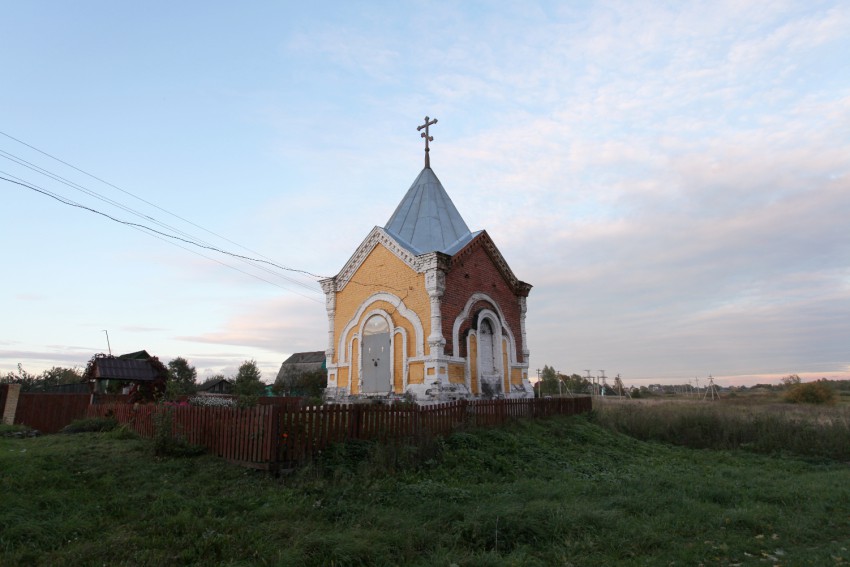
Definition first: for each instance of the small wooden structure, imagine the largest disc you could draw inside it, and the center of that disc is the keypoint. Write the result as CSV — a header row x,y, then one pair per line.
x,y
145,374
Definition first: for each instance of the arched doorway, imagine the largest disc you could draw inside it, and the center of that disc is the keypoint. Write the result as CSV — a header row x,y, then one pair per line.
x,y
376,356
489,358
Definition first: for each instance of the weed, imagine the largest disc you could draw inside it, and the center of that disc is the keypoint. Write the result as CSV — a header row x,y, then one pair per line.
x,y
8,429
815,432
92,424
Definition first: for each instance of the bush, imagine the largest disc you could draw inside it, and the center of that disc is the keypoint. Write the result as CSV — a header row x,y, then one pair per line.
x,y
92,424
810,393
123,432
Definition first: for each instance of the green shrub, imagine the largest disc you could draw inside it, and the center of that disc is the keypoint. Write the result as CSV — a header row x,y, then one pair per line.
x,y
810,393
92,424
123,432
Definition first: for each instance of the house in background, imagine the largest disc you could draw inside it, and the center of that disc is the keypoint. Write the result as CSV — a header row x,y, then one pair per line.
x,y
141,375
289,377
301,363
216,386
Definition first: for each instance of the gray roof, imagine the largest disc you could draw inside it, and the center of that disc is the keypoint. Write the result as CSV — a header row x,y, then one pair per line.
x,y
124,369
309,357
426,220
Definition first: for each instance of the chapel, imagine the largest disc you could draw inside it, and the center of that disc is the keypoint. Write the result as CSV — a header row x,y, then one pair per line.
x,y
426,309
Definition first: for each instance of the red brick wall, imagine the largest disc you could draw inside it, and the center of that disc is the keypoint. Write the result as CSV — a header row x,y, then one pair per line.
x,y
472,270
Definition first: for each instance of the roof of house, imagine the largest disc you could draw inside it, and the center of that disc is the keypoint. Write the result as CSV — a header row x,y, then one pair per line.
x,y
313,357
124,369
210,384
426,220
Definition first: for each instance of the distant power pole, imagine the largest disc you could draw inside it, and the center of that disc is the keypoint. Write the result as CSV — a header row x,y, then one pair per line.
x,y
711,389
109,346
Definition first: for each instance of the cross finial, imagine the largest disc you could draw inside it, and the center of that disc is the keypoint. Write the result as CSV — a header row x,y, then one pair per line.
x,y
427,139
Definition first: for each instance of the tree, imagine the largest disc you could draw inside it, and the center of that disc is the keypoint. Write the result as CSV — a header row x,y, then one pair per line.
x,y
790,381
44,381
181,378
295,382
548,381
247,382
286,382
818,392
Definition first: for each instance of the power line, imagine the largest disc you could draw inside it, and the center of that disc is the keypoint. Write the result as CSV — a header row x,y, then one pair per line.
x,y
149,229
190,239
42,152
96,195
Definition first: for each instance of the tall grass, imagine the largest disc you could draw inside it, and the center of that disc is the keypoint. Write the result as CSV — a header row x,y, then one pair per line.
x,y
809,431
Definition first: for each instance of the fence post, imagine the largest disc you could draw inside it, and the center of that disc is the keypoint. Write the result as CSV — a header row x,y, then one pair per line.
x,y
9,402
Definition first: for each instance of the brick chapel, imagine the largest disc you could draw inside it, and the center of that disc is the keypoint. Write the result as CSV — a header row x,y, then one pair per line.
x,y
426,309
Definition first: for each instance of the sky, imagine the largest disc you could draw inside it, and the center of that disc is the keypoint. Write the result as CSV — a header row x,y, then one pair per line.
x,y
672,178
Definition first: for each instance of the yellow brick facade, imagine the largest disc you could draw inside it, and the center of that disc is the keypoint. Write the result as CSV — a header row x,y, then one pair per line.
x,y
416,373
457,373
380,280
516,376
382,271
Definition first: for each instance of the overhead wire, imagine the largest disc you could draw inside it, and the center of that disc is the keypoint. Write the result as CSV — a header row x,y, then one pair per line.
x,y
95,177
96,195
153,232
189,239
144,230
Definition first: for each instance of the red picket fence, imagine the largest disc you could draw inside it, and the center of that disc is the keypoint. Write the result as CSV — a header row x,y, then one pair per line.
x,y
49,413
305,432
271,436
247,436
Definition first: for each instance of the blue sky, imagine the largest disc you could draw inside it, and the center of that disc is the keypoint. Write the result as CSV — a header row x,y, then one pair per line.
x,y
672,179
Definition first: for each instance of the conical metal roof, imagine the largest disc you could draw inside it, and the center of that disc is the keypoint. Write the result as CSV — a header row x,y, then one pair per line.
x,y
426,220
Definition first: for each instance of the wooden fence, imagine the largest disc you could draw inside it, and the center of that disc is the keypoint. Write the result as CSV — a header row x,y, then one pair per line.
x,y
49,413
272,436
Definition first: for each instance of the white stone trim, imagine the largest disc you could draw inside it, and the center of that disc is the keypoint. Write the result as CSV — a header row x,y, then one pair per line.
x,y
498,343
402,310
404,360
464,315
388,318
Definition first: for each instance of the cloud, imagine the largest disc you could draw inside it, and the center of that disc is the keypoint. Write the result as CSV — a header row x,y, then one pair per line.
x,y
280,325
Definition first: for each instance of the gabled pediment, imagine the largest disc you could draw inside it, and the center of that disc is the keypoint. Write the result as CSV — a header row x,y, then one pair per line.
x,y
377,236
483,240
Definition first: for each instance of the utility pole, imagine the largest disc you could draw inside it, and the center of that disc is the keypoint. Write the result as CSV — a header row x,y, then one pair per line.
x,y
539,386
711,389
109,346
602,382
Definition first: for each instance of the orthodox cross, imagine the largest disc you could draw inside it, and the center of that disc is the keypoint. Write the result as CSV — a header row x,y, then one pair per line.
x,y
427,139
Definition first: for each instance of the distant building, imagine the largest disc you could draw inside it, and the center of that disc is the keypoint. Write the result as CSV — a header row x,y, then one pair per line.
x,y
301,363
217,386
144,376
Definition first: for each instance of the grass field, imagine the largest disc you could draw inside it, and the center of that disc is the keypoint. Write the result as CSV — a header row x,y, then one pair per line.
x,y
560,491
